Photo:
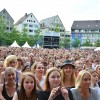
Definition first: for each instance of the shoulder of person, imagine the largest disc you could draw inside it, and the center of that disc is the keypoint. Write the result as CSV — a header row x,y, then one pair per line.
x,y
93,90
73,89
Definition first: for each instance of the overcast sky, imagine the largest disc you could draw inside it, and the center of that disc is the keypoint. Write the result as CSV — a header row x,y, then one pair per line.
x,y
68,10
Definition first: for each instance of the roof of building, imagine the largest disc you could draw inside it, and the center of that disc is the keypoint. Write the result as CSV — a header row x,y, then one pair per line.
x,y
86,24
22,18
7,13
48,21
54,34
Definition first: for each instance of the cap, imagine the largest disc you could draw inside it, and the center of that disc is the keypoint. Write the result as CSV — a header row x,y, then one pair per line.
x,y
67,62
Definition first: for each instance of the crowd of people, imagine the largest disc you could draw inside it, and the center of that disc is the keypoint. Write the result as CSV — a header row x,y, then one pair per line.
x,y
49,74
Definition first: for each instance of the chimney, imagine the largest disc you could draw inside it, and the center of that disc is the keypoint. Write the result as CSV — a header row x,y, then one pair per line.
x,y
25,14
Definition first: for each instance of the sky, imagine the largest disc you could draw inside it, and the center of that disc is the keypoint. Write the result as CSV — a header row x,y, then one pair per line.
x,y
67,10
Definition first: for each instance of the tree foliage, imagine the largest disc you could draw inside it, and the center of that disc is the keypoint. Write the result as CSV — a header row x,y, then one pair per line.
x,y
87,43
97,43
76,43
65,42
21,37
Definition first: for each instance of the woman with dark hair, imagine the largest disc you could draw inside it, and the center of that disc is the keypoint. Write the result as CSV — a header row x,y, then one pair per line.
x,y
27,89
53,86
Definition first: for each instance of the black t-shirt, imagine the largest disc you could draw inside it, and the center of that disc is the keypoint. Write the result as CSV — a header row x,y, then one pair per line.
x,y
43,95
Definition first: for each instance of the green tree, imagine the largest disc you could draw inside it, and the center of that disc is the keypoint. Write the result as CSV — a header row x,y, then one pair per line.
x,y
97,43
87,43
2,25
2,30
76,42
23,36
37,37
56,29
65,42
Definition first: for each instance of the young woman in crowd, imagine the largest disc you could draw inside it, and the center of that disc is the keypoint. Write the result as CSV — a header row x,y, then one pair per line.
x,y
38,70
95,78
26,67
11,61
68,74
1,69
53,86
97,69
20,64
10,86
82,90
27,90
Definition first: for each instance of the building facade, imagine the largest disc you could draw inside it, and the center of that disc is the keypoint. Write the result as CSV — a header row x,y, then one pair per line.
x,y
52,24
86,30
29,22
8,20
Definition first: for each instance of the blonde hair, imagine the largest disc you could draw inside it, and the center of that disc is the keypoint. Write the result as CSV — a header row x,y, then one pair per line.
x,y
73,77
34,66
46,82
9,69
97,66
8,59
79,78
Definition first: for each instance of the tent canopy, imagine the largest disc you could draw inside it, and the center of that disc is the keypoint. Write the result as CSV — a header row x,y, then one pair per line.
x,y
36,46
14,44
26,45
97,49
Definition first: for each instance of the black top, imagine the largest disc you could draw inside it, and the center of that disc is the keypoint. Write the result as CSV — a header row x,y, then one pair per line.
x,y
4,93
99,83
43,95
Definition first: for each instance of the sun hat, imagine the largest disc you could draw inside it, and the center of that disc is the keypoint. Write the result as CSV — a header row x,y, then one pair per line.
x,y
68,62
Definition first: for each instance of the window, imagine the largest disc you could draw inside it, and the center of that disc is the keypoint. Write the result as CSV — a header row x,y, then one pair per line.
x,y
34,21
31,15
7,28
30,30
30,25
60,30
4,17
76,30
10,28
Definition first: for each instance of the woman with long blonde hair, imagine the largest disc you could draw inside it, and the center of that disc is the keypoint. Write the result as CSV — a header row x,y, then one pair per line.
x,y
53,86
68,74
